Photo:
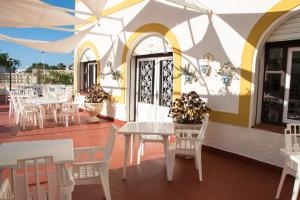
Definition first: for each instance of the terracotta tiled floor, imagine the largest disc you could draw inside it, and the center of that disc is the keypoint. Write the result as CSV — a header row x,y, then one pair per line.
x,y
224,178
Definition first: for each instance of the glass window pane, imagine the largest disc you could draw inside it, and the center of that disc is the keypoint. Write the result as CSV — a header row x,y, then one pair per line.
x,y
274,62
294,94
273,100
272,85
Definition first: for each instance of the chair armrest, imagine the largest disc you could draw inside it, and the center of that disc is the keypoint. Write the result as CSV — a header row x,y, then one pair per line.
x,y
86,149
90,152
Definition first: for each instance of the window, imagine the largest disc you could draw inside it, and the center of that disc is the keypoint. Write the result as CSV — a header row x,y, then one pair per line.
x,y
89,74
281,92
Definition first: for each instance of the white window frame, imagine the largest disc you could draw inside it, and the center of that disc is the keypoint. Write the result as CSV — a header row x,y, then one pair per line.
x,y
287,86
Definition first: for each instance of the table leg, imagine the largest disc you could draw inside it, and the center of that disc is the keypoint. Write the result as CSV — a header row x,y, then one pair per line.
x,y
167,157
127,138
296,185
131,148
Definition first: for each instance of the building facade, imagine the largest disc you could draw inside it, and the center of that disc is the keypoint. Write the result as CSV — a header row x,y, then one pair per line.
x,y
158,50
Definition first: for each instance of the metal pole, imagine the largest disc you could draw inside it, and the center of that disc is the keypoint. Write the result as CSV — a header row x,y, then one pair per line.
x,y
43,65
9,62
9,76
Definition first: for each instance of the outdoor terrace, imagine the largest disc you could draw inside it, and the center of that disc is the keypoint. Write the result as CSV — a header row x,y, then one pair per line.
x,y
225,176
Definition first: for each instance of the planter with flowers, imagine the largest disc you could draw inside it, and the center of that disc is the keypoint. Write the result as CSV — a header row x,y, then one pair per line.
x,y
227,72
188,111
94,99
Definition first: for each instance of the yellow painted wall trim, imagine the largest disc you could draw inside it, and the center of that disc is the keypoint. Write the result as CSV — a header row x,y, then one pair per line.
x,y
242,118
80,51
170,37
114,9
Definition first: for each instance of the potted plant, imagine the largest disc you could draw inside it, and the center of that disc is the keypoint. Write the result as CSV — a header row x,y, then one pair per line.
x,y
227,72
94,99
189,75
188,109
116,74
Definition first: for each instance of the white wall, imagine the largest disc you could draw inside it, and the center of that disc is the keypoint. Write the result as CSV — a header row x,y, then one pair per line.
x,y
224,36
252,143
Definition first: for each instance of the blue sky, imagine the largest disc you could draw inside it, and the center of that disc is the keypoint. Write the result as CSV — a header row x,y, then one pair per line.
x,y
28,56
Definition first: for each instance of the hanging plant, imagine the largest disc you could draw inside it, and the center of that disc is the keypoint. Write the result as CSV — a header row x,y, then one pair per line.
x,y
188,74
116,74
227,72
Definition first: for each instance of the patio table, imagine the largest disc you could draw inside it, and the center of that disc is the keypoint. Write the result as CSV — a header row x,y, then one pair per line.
x,y
45,101
147,128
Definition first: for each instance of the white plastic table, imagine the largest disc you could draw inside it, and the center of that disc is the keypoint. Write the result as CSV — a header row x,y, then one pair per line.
x,y
47,101
44,101
61,151
150,128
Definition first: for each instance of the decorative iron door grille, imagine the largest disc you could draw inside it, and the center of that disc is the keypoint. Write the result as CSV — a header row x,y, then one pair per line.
x,y
146,81
166,82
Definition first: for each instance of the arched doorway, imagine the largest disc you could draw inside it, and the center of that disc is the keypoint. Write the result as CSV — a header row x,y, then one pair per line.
x,y
152,63
278,71
87,67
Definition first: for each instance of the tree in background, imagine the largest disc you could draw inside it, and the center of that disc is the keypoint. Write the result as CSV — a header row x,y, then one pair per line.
x,y
57,77
8,62
59,66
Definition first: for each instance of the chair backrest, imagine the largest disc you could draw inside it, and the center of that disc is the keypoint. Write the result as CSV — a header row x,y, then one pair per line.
x,y
110,143
292,136
36,178
191,139
79,100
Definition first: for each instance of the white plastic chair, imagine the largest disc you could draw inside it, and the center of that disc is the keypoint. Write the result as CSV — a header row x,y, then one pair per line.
x,y
5,190
144,139
79,100
189,142
291,166
89,170
41,179
68,110
29,114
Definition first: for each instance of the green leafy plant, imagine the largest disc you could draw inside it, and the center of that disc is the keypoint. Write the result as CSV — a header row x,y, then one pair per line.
x,y
227,69
116,74
55,77
189,109
189,74
97,94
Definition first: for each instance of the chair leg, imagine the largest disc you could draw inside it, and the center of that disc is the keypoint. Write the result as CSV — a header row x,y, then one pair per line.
x,y
199,164
104,175
140,151
283,175
143,149
172,163
78,116
67,119
10,109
